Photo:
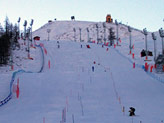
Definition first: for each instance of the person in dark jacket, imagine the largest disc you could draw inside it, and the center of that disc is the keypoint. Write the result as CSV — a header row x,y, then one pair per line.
x,y
132,110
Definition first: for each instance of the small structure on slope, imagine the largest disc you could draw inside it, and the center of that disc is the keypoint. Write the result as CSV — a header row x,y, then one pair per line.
x,y
109,19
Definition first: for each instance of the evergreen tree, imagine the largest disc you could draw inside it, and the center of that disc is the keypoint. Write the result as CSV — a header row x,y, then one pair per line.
x,y
111,36
8,41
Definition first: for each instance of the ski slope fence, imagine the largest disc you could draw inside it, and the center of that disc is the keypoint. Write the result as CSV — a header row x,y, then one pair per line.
x,y
137,65
9,97
142,67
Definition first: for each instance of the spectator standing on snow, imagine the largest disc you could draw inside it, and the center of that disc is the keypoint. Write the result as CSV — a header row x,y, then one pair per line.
x,y
93,68
132,110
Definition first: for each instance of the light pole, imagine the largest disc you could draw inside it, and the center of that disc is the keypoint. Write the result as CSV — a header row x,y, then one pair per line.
x,y
104,26
48,31
97,33
32,21
146,33
74,34
130,39
28,39
80,34
25,24
117,30
154,38
161,32
18,27
88,34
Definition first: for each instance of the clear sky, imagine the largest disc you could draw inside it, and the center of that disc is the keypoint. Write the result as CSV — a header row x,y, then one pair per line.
x,y
136,13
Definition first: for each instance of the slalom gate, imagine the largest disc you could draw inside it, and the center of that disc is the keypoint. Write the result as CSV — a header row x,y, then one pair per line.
x,y
9,97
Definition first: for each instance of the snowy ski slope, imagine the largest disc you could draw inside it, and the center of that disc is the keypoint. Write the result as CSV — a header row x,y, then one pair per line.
x,y
70,87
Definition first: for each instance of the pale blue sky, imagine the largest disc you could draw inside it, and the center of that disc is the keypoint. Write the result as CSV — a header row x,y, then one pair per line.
x,y
136,13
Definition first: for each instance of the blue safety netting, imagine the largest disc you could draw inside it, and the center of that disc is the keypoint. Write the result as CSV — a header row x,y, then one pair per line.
x,y
4,101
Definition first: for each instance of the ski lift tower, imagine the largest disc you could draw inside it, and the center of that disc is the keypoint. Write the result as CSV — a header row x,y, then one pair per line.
x,y
88,34
161,32
117,30
130,39
154,38
48,31
146,33
104,26
74,34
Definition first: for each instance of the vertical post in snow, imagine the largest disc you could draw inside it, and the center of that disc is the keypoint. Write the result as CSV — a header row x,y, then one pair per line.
x,y
74,34
88,34
130,39
154,38
43,119
25,24
104,25
146,33
19,27
73,121
97,33
80,34
48,31
161,32
117,30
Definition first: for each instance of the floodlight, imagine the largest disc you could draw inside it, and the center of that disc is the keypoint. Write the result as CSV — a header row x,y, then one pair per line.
x,y
153,36
161,32
97,26
19,19
87,29
25,23
129,29
31,22
145,31
116,22
48,30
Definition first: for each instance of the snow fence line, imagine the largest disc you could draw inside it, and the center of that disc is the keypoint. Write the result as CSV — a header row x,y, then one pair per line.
x,y
137,65
142,67
9,97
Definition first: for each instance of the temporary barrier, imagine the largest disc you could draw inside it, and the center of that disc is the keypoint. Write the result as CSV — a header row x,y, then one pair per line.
x,y
142,67
4,101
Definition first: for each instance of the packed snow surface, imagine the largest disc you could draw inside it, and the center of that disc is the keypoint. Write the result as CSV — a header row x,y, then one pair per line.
x,y
84,95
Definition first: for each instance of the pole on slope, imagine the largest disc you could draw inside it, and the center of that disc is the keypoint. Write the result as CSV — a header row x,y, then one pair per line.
x,y
130,39
80,34
146,33
154,38
88,34
161,32
48,31
25,24
32,21
117,30
19,27
97,28
104,26
74,34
